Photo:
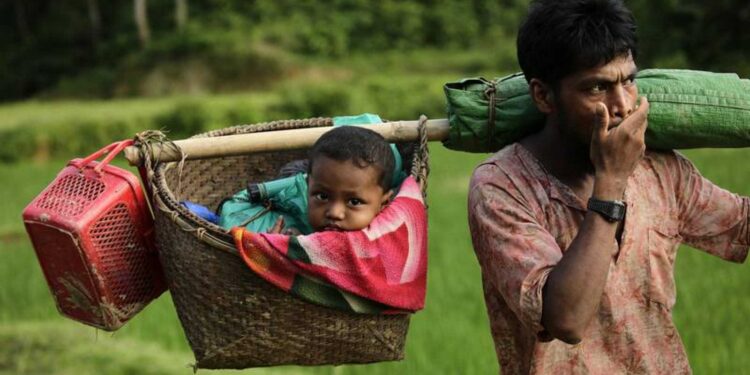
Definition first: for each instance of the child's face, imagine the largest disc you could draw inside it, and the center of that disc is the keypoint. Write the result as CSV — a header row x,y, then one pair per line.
x,y
343,196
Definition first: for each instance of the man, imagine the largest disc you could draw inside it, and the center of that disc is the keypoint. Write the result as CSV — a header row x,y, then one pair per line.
x,y
576,226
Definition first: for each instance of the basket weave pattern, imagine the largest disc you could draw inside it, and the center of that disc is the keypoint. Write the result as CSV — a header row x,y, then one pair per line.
x,y
231,317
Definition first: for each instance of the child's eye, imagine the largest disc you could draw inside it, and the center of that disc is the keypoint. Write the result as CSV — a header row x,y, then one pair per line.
x,y
320,196
355,202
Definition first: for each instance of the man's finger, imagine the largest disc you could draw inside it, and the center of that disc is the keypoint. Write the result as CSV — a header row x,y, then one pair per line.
x,y
637,122
601,123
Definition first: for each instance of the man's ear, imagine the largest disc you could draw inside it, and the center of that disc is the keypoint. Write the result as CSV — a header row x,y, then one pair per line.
x,y
542,95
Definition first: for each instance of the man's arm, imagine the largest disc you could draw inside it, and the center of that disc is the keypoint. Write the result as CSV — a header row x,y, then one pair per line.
x,y
573,290
712,219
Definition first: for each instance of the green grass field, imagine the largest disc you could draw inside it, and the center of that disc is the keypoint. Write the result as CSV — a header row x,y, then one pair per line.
x,y
451,336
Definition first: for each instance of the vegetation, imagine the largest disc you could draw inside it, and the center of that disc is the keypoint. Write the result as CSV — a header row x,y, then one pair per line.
x,y
41,129
122,48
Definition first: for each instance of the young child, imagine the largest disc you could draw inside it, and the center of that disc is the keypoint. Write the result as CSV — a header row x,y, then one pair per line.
x,y
365,233
350,173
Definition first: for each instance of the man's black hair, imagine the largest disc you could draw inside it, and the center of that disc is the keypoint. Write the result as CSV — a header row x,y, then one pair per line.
x,y
363,147
560,37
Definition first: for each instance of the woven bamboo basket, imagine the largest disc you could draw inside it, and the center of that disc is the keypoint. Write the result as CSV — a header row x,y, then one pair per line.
x,y
231,317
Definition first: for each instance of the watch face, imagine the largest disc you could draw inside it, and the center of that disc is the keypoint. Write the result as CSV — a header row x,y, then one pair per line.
x,y
618,212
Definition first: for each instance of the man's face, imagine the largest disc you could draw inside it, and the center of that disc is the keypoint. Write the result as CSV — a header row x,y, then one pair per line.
x,y
343,196
575,101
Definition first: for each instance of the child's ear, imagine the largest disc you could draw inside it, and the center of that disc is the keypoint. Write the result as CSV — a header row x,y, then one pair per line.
x,y
386,198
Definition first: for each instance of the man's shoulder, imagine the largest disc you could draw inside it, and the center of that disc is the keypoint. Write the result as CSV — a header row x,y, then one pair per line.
x,y
503,164
661,161
661,155
508,172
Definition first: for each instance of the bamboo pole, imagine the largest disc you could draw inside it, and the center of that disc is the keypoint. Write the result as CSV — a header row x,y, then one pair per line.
x,y
240,144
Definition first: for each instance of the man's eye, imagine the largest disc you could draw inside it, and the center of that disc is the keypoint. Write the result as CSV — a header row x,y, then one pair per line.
x,y
629,81
596,89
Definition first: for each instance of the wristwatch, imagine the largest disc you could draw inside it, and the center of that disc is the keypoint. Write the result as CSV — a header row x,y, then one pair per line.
x,y
611,210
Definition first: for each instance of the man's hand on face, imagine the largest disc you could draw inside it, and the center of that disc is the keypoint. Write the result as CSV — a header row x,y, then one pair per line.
x,y
616,151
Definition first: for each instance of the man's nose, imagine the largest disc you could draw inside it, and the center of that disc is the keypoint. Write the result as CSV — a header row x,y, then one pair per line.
x,y
620,102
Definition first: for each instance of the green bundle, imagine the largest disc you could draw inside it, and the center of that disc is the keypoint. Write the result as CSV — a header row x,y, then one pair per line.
x,y
689,109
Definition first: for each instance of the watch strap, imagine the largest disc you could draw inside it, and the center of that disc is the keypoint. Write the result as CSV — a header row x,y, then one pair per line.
x,y
611,210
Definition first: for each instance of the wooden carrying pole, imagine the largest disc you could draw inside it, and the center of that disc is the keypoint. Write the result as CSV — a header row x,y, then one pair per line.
x,y
240,144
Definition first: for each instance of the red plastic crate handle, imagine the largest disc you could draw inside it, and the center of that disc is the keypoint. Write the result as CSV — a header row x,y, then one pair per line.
x,y
112,150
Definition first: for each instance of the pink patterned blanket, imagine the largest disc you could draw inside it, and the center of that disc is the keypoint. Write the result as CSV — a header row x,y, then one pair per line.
x,y
379,269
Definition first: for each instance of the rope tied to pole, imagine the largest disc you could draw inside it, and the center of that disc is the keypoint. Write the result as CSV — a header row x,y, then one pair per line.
x,y
145,142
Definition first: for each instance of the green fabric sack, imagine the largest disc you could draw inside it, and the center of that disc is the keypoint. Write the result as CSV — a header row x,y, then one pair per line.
x,y
689,109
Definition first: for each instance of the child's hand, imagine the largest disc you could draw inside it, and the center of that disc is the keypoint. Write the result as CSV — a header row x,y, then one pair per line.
x,y
278,228
291,232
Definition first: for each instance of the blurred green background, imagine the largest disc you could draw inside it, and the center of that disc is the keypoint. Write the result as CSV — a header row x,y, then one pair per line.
x,y
76,75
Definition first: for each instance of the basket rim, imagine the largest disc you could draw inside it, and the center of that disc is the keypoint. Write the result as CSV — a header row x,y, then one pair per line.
x,y
218,237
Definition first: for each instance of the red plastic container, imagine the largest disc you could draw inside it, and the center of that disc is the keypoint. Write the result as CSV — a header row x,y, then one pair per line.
x,y
93,235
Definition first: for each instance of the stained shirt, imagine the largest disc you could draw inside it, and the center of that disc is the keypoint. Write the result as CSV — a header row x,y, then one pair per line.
x,y
522,220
